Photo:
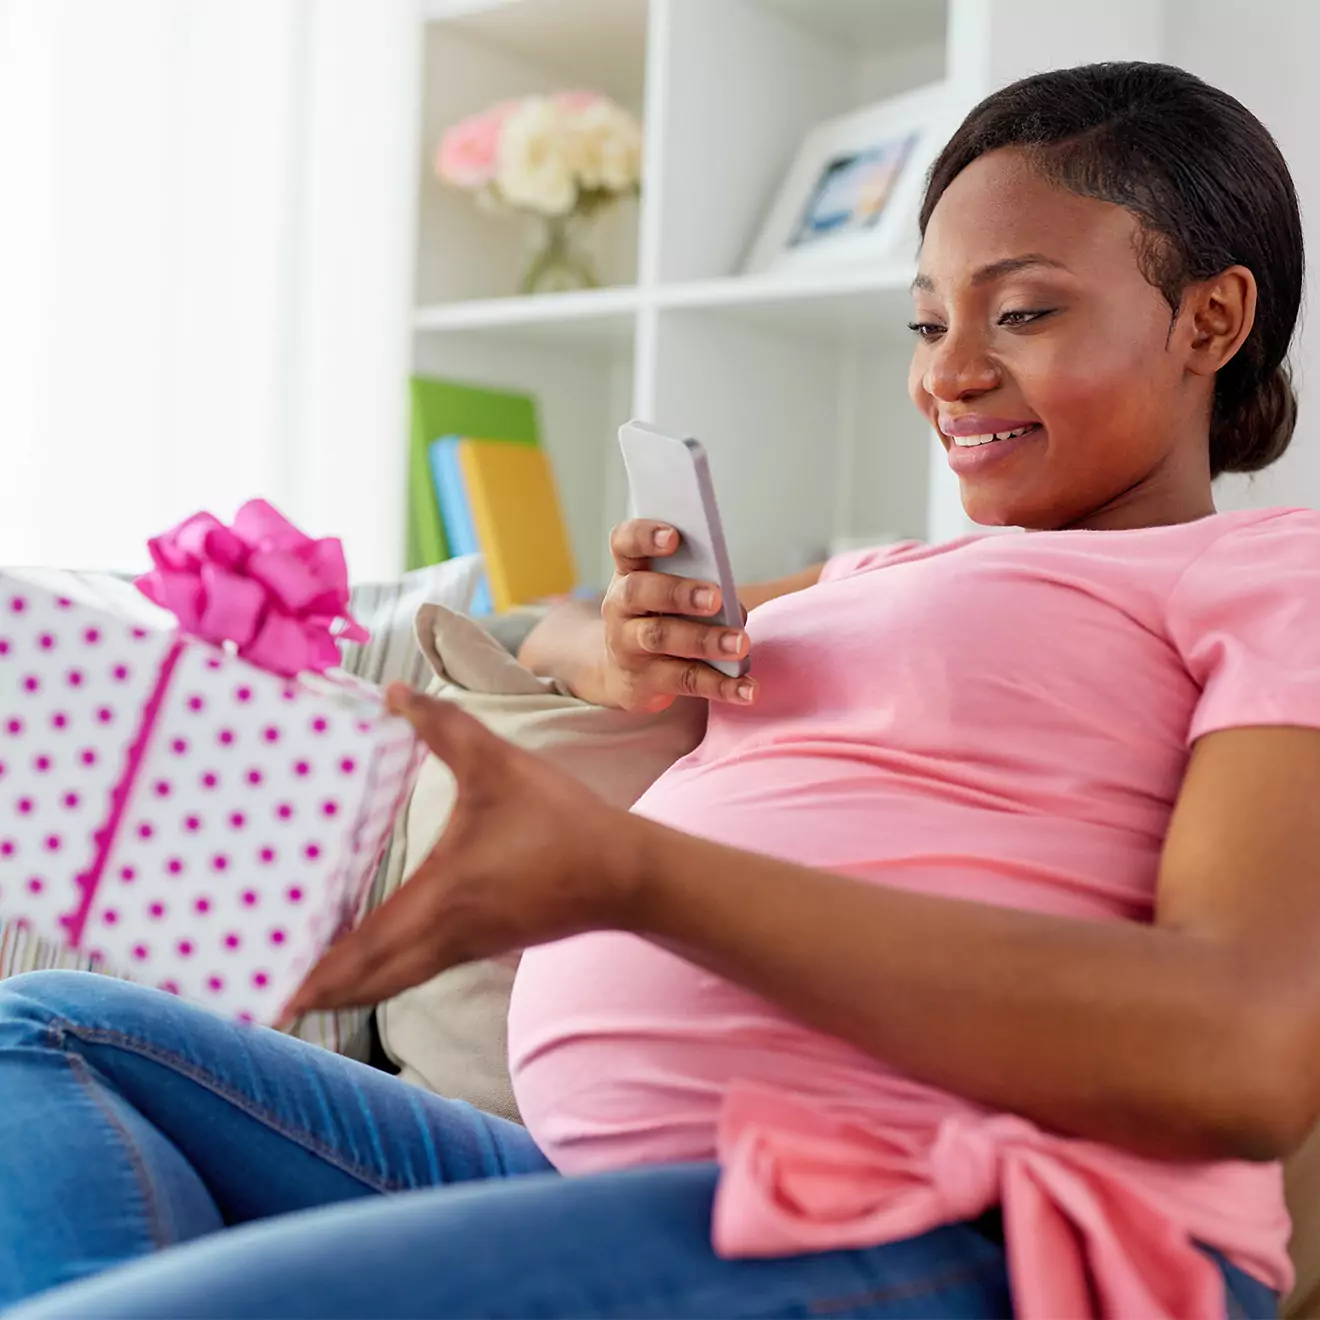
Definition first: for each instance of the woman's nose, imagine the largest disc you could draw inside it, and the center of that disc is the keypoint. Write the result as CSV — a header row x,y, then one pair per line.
x,y
958,366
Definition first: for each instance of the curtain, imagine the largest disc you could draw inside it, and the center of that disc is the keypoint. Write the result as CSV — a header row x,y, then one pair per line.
x,y
206,244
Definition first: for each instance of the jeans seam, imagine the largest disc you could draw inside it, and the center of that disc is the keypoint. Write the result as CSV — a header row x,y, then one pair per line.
x,y
146,1188
263,1115
896,1292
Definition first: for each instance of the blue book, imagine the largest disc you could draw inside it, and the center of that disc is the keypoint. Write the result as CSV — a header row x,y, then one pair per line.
x,y
455,512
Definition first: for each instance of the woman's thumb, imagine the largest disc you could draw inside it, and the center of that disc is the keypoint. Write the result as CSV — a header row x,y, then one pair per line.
x,y
463,743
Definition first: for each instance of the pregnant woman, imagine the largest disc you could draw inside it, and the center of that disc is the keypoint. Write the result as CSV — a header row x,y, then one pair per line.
x,y
971,964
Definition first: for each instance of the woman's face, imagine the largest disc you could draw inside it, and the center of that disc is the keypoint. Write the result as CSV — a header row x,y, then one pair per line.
x,y
1037,325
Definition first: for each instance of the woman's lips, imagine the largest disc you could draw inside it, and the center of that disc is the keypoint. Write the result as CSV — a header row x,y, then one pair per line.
x,y
967,460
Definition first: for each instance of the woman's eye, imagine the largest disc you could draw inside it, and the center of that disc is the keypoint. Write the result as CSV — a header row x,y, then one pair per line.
x,y
925,329
1011,319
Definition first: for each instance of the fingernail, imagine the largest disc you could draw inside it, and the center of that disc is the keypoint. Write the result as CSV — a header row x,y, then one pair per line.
x,y
704,599
746,691
662,538
731,643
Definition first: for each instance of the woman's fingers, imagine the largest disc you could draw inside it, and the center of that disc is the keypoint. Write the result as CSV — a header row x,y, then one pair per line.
x,y
695,678
636,542
380,959
463,743
658,634
662,593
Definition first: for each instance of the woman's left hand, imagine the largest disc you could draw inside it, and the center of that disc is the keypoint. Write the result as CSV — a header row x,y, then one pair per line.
x,y
529,855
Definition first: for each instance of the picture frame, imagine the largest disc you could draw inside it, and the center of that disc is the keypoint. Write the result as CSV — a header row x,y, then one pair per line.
x,y
853,191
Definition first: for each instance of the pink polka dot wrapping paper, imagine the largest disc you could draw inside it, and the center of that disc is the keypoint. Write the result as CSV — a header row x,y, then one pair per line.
x,y
197,823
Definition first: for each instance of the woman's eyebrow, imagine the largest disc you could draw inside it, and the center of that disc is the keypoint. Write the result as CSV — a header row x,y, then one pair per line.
x,y
995,270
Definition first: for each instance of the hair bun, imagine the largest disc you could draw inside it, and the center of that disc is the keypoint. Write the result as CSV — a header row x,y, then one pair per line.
x,y
1251,435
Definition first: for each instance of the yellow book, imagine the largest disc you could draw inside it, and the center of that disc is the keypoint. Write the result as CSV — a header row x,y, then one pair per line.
x,y
519,522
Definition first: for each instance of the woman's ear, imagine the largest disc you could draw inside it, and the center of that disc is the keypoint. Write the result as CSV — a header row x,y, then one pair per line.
x,y
1219,313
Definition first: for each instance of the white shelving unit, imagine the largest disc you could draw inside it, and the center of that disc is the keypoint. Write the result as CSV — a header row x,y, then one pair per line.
x,y
797,386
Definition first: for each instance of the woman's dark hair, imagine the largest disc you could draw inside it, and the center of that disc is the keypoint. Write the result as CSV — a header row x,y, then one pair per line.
x,y
1210,188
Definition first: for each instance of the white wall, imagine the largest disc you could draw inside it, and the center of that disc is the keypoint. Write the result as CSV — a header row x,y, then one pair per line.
x,y
1264,53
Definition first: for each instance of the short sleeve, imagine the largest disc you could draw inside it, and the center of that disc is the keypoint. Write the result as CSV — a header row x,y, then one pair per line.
x,y
1245,618
859,561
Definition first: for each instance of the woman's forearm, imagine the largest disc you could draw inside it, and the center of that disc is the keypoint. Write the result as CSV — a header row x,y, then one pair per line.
x,y
1113,1031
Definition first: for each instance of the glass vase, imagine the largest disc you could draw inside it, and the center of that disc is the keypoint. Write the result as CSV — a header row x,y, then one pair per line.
x,y
559,263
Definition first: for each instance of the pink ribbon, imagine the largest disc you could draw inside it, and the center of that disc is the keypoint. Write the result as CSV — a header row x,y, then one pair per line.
x,y
261,584
1081,1240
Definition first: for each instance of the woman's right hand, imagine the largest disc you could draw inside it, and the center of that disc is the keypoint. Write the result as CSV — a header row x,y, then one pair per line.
x,y
652,656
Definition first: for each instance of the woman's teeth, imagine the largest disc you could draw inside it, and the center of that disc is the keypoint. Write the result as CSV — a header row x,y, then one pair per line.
x,y
968,441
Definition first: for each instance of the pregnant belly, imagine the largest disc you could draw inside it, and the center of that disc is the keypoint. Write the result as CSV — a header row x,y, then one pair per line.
x,y
621,1054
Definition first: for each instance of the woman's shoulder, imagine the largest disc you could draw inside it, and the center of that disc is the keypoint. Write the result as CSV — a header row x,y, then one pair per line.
x,y
1254,541
1165,553
1287,520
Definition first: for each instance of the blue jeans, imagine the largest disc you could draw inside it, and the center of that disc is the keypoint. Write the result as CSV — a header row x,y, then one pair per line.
x,y
156,1161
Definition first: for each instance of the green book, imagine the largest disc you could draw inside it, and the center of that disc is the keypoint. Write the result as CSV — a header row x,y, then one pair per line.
x,y
447,407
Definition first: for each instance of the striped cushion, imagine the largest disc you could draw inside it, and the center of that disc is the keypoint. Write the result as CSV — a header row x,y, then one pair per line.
x,y
387,609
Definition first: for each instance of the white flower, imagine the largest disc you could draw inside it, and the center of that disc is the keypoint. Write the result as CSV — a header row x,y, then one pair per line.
x,y
534,171
604,147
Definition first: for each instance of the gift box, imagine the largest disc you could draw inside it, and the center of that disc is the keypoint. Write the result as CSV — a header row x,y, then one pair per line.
x,y
188,808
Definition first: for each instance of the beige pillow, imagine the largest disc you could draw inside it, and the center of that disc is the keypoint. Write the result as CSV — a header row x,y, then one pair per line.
x,y
449,1035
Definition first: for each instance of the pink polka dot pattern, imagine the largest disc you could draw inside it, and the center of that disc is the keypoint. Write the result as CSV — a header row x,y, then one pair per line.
x,y
254,822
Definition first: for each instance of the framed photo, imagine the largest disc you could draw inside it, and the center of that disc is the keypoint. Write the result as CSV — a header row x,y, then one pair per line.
x,y
854,189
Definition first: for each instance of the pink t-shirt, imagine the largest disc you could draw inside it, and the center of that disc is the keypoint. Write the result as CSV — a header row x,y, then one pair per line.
x,y
1005,719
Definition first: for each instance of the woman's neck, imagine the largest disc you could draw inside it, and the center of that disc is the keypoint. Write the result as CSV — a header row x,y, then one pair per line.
x,y
1177,491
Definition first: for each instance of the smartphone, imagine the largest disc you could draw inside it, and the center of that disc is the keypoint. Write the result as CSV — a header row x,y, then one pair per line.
x,y
669,480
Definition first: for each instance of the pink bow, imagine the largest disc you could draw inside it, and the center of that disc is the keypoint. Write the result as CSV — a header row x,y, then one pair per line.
x,y
1081,1242
261,584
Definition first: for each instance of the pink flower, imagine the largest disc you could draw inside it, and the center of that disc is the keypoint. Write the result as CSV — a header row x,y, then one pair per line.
x,y
469,152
